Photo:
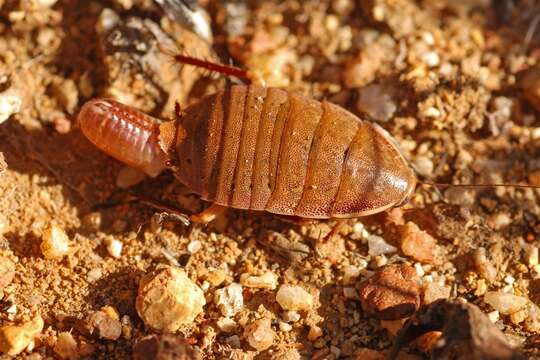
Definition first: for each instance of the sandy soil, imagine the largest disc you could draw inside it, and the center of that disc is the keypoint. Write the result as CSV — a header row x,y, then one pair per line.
x,y
444,77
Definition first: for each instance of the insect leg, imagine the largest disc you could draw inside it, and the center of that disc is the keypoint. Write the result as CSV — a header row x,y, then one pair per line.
x,y
296,220
208,215
334,231
166,211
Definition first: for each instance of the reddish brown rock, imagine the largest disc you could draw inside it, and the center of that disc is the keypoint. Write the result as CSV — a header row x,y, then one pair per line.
x,y
164,347
100,325
417,243
392,293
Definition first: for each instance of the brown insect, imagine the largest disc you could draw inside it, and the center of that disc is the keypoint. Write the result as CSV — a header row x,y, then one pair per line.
x,y
256,148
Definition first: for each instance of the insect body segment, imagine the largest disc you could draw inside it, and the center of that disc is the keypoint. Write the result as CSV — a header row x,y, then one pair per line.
x,y
254,148
124,133
257,148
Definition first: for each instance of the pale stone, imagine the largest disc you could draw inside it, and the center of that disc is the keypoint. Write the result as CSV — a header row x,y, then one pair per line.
x,y
260,334
14,339
268,280
66,346
229,299
295,298
506,304
167,299
55,244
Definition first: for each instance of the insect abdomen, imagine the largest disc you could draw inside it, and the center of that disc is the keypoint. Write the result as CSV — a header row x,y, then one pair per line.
x,y
267,149
124,133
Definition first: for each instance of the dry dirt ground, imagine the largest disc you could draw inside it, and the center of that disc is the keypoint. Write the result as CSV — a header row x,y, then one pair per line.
x,y
444,77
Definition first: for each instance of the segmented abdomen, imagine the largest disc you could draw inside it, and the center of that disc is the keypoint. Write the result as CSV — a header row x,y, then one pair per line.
x,y
259,148
124,133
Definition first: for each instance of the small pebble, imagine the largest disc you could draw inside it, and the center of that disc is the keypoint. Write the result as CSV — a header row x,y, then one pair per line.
x,y
417,243
519,316
294,298
100,324
229,299
94,275
260,334
291,316
167,299
66,346
335,351
314,333
531,256
378,246
164,347
233,341
532,323
419,270
114,247
55,244
435,291
194,246
498,221
506,304
493,316
391,293
485,268
283,326
10,103
481,287
65,91
377,101
216,277
15,338
92,221
46,3
431,58
268,280
7,271
227,325
351,293
424,166
431,112
350,273
509,279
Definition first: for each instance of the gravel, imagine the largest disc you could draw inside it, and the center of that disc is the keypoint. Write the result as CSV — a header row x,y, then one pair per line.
x,y
294,298
391,293
167,299
229,299
15,338
164,347
506,304
55,244
259,334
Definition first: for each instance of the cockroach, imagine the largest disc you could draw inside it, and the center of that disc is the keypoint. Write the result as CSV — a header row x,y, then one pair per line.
x,y
265,149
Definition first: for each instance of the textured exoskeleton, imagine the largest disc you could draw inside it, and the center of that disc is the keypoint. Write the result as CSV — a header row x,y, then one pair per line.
x,y
257,148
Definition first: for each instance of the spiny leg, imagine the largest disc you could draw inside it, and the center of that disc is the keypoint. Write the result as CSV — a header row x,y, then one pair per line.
x,y
166,211
204,217
334,231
